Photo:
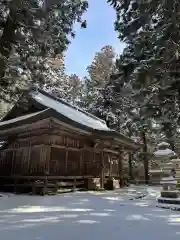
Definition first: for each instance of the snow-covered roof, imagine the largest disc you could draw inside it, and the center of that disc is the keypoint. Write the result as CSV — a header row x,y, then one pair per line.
x,y
169,180
155,171
163,144
70,111
176,160
51,106
164,152
166,164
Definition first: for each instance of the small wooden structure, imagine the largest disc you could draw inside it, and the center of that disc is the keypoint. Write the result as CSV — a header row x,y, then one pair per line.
x,y
46,140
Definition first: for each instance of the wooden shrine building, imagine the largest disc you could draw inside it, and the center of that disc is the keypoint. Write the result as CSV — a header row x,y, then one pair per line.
x,y
43,136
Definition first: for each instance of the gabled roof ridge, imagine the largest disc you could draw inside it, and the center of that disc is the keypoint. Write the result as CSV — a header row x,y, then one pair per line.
x,y
34,88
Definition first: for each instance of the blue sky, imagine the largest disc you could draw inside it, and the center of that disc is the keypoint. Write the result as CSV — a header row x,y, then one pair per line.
x,y
99,32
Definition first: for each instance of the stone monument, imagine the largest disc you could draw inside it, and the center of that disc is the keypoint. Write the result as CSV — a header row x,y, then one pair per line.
x,y
161,165
169,193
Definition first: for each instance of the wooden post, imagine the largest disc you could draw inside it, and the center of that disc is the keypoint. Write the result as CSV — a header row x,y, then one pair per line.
x,y
34,187
29,157
45,188
56,186
120,166
66,163
130,166
13,160
102,167
74,185
110,164
81,162
48,160
15,185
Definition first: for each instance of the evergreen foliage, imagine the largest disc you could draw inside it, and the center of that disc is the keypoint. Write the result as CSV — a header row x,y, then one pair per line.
x,y
150,61
31,31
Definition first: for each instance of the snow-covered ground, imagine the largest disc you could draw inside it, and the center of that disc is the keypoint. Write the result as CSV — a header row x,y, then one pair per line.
x,y
87,216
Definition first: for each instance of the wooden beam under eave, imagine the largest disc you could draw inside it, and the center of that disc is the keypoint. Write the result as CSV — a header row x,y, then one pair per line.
x,y
116,144
25,129
110,151
129,146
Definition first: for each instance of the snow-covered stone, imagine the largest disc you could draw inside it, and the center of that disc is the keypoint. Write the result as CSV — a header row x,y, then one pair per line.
x,y
175,160
155,171
164,152
168,180
163,144
169,200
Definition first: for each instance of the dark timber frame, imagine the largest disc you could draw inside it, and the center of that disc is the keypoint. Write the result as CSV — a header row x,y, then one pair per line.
x,y
46,138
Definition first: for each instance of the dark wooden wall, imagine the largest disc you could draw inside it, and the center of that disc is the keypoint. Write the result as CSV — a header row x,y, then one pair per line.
x,y
41,152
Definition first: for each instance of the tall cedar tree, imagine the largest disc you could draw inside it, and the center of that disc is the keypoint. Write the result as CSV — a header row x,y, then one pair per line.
x,y
29,32
151,59
95,84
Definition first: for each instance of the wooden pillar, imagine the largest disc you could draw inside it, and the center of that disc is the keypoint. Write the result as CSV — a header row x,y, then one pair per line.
x,y
102,167
110,164
13,158
48,159
81,161
120,167
29,157
130,165
66,163
74,185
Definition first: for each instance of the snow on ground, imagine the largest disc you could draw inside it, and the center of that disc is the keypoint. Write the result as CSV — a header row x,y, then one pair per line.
x,y
87,216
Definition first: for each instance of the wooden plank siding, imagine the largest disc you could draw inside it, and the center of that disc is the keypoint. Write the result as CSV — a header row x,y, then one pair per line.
x,y
41,151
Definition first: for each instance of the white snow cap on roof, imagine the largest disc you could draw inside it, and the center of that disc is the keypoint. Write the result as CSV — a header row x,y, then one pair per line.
x,y
155,171
175,160
71,112
169,179
164,152
163,144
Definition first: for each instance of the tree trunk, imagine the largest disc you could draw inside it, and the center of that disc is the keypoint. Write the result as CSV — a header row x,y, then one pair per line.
x,y
172,145
168,130
146,162
6,42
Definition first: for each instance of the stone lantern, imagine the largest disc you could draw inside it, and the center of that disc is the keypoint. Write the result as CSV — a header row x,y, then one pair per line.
x,y
161,164
169,193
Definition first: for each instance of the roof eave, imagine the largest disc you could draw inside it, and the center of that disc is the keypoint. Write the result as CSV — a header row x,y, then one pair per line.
x,y
120,138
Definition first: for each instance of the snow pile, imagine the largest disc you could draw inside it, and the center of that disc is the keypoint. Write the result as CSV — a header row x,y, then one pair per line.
x,y
164,152
174,207
163,144
168,180
176,160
